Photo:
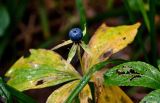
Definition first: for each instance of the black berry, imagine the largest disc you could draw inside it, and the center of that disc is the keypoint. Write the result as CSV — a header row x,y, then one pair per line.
x,y
75,34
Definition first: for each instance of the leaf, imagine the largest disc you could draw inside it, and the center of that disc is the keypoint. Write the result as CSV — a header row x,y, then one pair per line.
x,y
4,19
133,74
72,52
5,95
57,97
62,44
20,95
107,41
86,48
112,94
40,68
152,97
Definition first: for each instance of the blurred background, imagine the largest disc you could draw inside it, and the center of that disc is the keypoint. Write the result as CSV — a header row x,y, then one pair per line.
x,y
26,24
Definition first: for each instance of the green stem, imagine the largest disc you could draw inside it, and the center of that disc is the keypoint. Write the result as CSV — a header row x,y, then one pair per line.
x,y
152,33
44,19
110,4
87,77
144,13
81,10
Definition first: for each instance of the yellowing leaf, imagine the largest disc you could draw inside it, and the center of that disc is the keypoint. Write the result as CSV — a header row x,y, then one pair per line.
x,y
107,41
112,94
40,68
61,94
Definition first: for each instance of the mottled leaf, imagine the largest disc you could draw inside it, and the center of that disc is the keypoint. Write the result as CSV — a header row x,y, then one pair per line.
x,y
153,97
40,68
133,74
61,94
107,41
4,19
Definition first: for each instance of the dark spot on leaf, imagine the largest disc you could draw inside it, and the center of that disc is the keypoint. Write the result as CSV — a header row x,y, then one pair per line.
x,y
134,77
124,38
106,98
90,100
107,54
27,54
39,82
123,100
133,72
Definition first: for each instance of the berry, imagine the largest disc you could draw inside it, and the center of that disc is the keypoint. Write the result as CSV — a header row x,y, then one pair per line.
x,y
75,34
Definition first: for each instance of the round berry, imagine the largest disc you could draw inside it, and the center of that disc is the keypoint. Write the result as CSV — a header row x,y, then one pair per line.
x,y
75,34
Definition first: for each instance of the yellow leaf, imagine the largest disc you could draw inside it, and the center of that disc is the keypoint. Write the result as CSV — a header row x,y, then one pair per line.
x,y
61,94
107,41
112,94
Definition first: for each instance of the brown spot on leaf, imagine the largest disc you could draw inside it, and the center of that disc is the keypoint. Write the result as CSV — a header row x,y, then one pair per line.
x,y
107,54
124,38
123,100
107,98
39,82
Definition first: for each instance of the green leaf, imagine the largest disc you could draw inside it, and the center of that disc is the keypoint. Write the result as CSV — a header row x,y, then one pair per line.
x,y
40,68
4,93
19,95
4,19
153,97
72,52
133,74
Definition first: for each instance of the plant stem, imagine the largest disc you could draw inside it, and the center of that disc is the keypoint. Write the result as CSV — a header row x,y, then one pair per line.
x,y
81,10
87,77
152,32
44,19
144,13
